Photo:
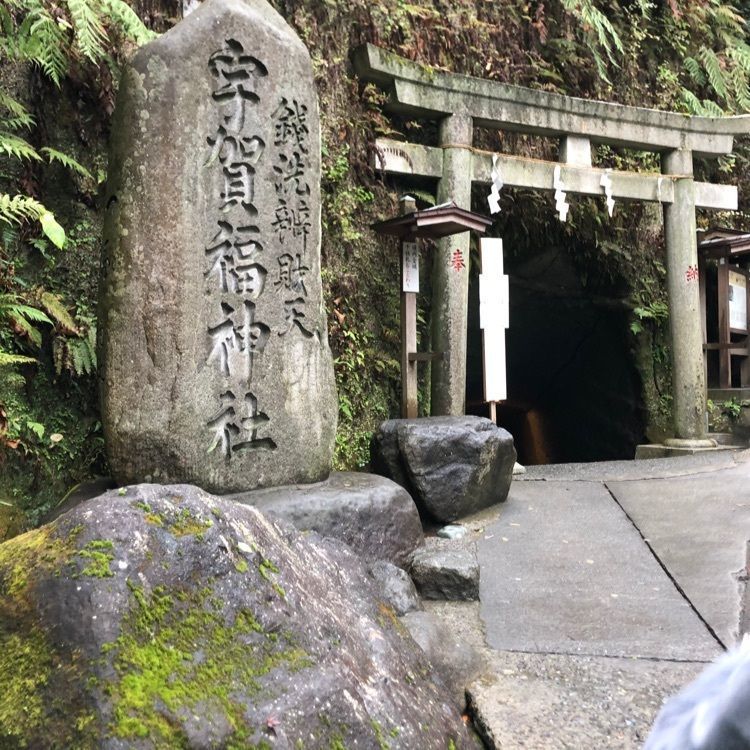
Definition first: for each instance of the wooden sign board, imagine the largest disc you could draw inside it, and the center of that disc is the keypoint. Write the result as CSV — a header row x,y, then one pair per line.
x,y
493,318
737,301
410,267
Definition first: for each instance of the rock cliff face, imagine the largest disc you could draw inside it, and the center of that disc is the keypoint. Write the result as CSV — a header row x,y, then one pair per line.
x,y
164,617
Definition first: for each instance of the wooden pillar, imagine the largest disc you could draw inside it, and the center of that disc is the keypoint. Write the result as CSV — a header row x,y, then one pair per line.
x,y
408,323
745,366
704,310
688,381
408,345
450,273
725,355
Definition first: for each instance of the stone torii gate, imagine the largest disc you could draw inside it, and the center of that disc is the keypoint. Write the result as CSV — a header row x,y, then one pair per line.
x,y
459,103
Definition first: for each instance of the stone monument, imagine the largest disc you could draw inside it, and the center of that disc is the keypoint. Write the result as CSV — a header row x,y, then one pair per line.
x,y
214,352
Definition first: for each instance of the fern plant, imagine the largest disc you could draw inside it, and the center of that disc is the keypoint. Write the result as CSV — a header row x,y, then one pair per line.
x,y
53,35
710,37
601,36
21,318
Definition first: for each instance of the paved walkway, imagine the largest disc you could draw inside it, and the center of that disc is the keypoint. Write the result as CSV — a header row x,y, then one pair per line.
x,y
604,588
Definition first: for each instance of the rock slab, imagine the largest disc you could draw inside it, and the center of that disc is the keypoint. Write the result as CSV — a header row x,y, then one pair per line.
x,y
161,616
395,587
215,362
446,571
455,660
376,517
452,466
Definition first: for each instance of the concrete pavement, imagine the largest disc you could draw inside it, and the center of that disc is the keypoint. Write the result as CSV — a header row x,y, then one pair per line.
x,y
604,589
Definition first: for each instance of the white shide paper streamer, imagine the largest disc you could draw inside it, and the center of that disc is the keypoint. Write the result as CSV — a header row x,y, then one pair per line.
x,y
561,205
497,185
606,183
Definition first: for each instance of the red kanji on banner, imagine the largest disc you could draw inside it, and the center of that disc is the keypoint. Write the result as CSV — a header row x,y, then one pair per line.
x,y
457,260
691,274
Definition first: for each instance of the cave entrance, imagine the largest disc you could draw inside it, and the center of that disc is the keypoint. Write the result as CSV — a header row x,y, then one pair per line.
x,y
574,393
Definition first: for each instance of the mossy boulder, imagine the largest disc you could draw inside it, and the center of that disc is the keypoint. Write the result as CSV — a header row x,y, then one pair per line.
x,y
163,617
13,521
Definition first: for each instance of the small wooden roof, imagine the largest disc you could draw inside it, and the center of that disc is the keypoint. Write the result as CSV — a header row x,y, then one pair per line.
x,y
434,222
718,242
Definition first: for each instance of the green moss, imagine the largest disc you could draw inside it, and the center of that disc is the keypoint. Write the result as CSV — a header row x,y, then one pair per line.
x,y
379,735
25,667
40,549
179,523
176,652
99,554
42,701
267,567
241,566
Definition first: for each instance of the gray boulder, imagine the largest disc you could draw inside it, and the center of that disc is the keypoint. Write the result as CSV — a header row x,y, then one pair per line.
x,y
452,466
161,616
454,660
376,517
215,365
395,587
446,571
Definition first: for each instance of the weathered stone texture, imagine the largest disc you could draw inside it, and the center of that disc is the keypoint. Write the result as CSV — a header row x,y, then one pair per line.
x,y
163,617
454,660
376,517
452,466
446,570
215,361
395,587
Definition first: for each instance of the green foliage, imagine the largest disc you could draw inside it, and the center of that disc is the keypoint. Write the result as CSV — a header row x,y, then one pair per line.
x,y
363,403
49,429
56,35
599,33
723,416
21,318
656,311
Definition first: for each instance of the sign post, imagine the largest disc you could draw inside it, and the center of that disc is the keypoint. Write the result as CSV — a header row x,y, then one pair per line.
x,y
409,291
432,223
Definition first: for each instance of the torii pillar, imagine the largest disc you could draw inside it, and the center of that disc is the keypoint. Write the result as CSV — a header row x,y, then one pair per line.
x,y
450,281
686,333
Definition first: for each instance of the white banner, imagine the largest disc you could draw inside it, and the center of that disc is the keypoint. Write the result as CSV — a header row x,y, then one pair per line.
x,y
494,304
737,301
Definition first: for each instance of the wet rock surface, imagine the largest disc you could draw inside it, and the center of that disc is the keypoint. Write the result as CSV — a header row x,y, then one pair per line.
x,y
452,466
161,616
455,660
445,570
376,517
395,587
